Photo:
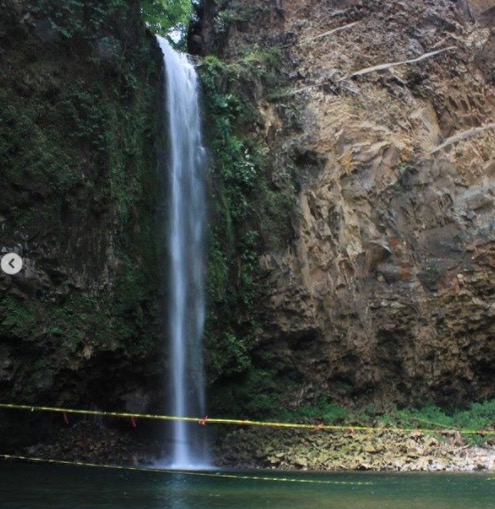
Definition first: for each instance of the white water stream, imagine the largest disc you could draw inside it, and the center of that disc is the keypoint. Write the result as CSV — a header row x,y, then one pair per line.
x,y
186,309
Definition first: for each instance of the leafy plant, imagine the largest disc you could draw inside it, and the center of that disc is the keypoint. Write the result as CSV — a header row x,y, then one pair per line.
x,y
248,214
478,417
163,16
77,18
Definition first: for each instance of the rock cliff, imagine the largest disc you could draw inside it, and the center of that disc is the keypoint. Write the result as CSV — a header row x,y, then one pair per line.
x,y
357,259
79,91
384,291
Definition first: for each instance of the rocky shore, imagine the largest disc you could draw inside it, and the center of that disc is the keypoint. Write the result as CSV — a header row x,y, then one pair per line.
x,y
91,442
320,450
283,449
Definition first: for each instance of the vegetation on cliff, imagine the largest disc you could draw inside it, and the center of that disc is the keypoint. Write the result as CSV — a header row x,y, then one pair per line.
x,y
334,273
251,211
307,338
426,439
78,199
381,291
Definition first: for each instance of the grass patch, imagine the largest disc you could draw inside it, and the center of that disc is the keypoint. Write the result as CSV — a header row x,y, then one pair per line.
x,y
478,417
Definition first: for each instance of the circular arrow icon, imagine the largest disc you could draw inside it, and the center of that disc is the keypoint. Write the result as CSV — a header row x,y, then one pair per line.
x,y
11,263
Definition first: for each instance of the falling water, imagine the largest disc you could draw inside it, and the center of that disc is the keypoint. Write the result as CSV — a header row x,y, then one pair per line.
x,y
186,198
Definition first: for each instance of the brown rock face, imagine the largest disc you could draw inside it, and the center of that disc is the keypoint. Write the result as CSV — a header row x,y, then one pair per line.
x,y
481,10
386,292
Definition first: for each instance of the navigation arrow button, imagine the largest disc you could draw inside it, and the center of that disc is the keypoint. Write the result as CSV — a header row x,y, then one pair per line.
x,y
11,264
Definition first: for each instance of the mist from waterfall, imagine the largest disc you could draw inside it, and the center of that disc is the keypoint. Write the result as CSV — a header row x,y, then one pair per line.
x,y
186,214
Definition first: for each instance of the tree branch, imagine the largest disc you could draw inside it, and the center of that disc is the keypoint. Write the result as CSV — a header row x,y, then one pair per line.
x,y
465,135
382,67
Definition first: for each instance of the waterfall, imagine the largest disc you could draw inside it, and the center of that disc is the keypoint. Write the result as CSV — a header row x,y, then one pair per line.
x,y
186,218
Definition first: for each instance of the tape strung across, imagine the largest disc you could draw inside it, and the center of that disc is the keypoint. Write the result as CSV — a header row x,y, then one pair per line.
x,y
268,424
218,475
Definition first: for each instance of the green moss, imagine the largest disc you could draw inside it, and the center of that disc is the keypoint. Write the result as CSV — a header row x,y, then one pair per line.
x,y
254,394
250,214
17,318
78,128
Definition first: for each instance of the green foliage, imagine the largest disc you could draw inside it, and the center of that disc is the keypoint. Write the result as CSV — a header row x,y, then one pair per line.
x,y
80,19
479,416
232,12
237,172
77,134
85,119
162,16
429,415
231,355
326,412
16,318
77,19
259,63
24,138
249,214
254,394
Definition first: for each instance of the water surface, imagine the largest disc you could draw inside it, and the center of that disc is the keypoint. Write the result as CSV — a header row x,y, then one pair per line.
x,y
26,486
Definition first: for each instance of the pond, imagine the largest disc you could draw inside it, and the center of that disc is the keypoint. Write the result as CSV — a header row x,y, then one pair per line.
x,y
35,486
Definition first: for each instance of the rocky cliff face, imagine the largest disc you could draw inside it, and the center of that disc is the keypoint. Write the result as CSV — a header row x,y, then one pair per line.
x,y
374,284
385,292
78,180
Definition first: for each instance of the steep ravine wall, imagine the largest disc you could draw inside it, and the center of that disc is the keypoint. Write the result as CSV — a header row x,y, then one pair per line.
x,y
79,92
352,260
383,292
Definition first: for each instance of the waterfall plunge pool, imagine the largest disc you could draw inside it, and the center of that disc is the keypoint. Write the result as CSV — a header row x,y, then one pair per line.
x,y
28,486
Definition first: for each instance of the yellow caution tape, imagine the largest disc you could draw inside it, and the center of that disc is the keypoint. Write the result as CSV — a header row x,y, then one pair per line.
x,y
182,472
239,422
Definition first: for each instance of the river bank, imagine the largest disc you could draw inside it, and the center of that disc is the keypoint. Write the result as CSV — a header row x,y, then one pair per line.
x,y
282,449
321,450
92,442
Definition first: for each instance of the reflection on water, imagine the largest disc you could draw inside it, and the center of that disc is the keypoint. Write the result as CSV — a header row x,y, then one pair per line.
x,y
24,486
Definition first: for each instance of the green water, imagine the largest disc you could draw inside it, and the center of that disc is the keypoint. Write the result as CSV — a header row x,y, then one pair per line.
x,y
25,486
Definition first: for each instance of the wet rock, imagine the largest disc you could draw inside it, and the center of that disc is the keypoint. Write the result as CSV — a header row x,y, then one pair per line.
x,y
393,452
46,30
92,442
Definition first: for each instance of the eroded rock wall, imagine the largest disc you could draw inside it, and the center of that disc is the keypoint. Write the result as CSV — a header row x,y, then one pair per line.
x,y
79,92
385,293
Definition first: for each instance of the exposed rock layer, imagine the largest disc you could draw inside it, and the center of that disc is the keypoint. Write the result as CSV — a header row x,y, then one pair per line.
x,y
385,294
317,450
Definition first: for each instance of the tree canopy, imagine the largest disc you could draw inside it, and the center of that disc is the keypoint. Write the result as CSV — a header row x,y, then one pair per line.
x,y
167,16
